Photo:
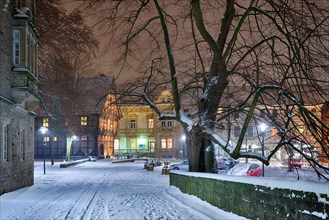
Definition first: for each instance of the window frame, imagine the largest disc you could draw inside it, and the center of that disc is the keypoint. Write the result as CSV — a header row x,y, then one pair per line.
x,y
84,120
22,144
45,122
4,143
150,123
16,47
133,123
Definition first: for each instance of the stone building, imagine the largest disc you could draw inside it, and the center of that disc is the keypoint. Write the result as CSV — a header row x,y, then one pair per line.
x,y
18,88
93,122
142,133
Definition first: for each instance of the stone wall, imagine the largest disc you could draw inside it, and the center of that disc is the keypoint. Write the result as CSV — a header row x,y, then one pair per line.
x,y
16,170
254,201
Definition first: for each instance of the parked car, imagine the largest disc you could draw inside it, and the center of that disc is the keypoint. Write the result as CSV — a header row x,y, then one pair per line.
x,y
246,169
221,164
295,163
229,162
179,166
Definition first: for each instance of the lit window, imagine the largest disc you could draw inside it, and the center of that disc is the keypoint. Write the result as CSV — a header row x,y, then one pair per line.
x,y
83,138
169,143
133,123
84,120
46,139
133,143
163,143
166,143
22,143
5,143
55,138
16,47
116,144
151,144
45,122
150,123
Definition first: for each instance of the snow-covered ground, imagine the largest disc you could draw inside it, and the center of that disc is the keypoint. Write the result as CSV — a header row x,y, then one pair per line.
x,y
102,190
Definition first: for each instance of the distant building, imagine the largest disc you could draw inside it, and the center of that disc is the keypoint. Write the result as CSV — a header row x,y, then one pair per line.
x,y
94,123
270,115
142,133
18,86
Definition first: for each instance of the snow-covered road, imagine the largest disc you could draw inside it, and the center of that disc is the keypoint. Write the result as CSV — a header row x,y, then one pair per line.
x,y
102,190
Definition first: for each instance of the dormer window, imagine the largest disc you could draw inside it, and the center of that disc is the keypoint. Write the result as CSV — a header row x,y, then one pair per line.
x,y
84,120
45,122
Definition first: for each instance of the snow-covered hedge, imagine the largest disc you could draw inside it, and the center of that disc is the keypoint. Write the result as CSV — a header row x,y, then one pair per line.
x,y
257,197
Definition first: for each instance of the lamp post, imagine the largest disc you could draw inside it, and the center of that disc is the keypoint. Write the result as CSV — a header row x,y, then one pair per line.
x,y
74,138
183,139
263,128
43,131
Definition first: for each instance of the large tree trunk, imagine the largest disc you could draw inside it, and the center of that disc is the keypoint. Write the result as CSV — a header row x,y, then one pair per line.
x,y
197,144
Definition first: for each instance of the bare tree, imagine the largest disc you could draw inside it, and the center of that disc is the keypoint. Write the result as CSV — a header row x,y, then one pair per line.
x,y
227,57
66,48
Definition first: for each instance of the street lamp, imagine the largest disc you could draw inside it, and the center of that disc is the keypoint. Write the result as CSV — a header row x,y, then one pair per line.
x,y
183,139
74,138
263,128
43,131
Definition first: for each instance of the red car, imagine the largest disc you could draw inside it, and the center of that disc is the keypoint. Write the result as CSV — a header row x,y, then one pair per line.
x,y
295,163
246,169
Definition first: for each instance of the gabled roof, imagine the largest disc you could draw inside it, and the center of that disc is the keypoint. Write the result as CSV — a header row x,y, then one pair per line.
x,y
87,98
93,93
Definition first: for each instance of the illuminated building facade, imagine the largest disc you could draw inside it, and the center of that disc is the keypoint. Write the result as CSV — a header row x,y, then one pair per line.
x,y
142,133
94,123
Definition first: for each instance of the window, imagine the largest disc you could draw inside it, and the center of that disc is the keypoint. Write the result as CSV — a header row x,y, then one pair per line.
x,y
151,144
5,143
84,120
169,143
55,139
262,113
150,123
45,122
22,144
163,143
83,138
46,139
166,123
166,143
133,124
16,47
133,144
275,113
250,131
237,131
